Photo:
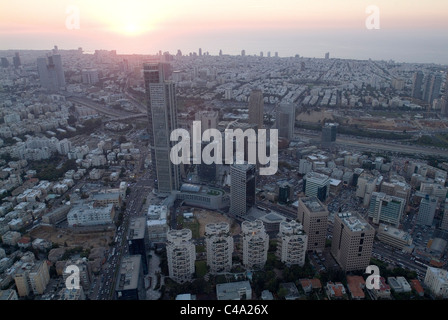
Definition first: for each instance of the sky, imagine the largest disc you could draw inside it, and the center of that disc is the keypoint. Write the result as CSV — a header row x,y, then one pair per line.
x,y
402,30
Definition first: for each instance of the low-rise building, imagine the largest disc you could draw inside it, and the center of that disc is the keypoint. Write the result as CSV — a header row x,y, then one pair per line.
x,y
436,280
240,290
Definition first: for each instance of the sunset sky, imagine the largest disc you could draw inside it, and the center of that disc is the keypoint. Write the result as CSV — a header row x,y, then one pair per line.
x,y
410,30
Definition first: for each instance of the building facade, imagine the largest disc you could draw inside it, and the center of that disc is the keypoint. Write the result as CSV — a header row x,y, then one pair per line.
x,y
162,117
181,253
255,244
313,215
352,241
219,245
242,188
292,244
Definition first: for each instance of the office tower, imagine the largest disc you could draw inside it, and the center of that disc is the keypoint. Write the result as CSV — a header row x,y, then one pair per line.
x,y
285,120
162,116
436,280
16,60
284,193
130,283
138,240
329,131
242,188
352,241
365,186
243,53
269,54
313,215
417,85
219,244
5,62
51,73
427,210
316,185
200,52
256,108
181,254
327,55
276,54
89,76
261,53
292,244
255,244
386,208
220,52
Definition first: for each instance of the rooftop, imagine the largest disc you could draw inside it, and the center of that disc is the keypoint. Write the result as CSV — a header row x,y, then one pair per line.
x,y
129,273
353,222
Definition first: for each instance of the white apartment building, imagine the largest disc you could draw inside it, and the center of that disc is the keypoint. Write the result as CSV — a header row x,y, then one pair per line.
x,y
181,254
87,215
292,245
436,280
219,244
255,244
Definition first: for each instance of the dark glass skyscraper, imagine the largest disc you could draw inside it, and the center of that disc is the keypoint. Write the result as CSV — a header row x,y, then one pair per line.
x,y
162,117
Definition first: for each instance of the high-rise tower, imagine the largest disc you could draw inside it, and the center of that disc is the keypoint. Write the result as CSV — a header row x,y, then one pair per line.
x,y
256,108
242,188
162,116
51,73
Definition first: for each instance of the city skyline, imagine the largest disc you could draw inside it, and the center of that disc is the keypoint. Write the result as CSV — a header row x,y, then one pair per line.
x,y
409,31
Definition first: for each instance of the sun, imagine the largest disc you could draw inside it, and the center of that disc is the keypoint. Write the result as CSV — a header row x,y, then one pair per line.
x,y
132,29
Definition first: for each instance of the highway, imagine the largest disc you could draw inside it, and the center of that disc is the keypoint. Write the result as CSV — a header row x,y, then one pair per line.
x,y
368,144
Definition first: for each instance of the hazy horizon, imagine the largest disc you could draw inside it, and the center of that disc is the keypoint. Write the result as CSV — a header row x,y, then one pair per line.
x,y
409,31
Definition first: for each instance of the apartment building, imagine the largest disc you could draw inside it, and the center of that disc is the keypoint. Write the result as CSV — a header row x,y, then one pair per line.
x,y
181,253
255,244
219,244
292,244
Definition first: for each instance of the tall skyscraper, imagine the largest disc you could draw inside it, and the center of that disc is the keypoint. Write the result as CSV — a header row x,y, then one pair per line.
x,y
386,208
417,85
352,241
51,73
255,244
181,253
313,215
292,244
16,60
427,210
256,108
162,116
316,185
435,84
219,244
285,120
242,188
327,55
